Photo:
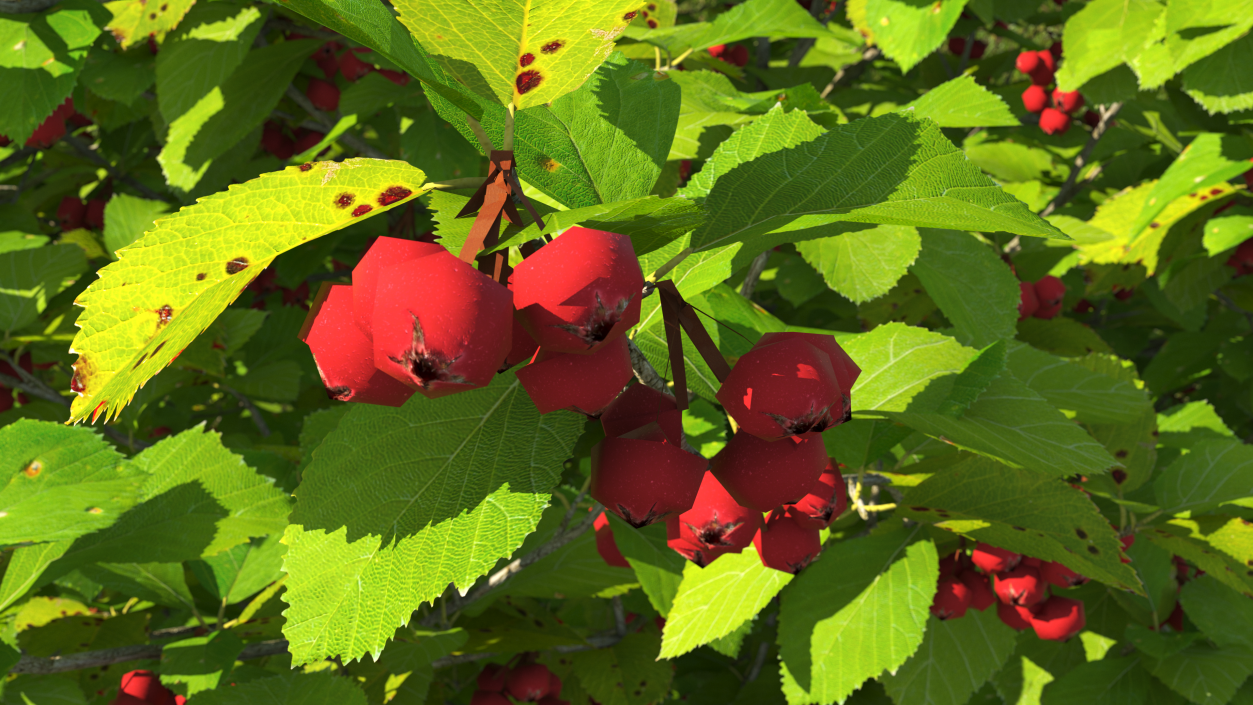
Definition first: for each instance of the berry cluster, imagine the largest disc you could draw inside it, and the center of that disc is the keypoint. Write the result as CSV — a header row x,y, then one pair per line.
x,y
73,213
53,128
526,683
144,688
1040,66
1042,299
734,54
1018,586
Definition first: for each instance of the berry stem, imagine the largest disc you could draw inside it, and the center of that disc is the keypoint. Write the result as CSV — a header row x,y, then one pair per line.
x,y
666,268
1069,189
485,143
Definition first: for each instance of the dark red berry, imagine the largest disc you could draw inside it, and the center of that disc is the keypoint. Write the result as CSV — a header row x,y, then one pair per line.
x,y
715,524
783,543
763,475
400,78
606,546
783,387
1016,618
274,141
528,683
952,597
323,95
643,477
523,348
1058,619
1049,291
492,677
1061,576
981,593
1028,303
640,405
93,214
352,67
993,559
308,139
345,357
826,501
582,383
70,213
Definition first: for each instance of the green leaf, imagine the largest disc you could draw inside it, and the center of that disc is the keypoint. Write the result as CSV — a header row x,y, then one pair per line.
x,y
860,609
202,54
162,583
962,102
1206,674
956,658
574,570
1062,336
900,362
1115,681
239,572
120,77
754,18
200,662
1209,160
1228,230
1034,665
1094,397
566,42
1104,34
430,141
1025,512
294,688
650,222
411,660
440,512
228,112
43,690
970,284
30,278
713,601
127,218
919,178
76,634
25,567
374,91
628,673
1223,614
62,483
133,21
864,264
658,567
906,32
774,131
974,380
1211,474
1182,540
44,53
1217,89
185,263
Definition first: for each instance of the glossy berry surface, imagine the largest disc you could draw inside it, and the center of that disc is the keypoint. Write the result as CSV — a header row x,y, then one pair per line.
x,y
762,475
643,478
1021,587
827,500
846,371
993,559
783,543
93,214
1035,99
352,67
1059,575
70,213
1067,101
528,683
1058,618
1054,121
1016,618
715,524
781,389
582,383
146,686
606,546
344,357
640,405
580,291
385,252
952,598
981,594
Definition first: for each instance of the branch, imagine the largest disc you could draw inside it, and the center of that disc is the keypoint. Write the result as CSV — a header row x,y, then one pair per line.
x,y
139,652
35,387
755,269
245,402
644,370
1069,189
853,70
325,121
16,157
91,154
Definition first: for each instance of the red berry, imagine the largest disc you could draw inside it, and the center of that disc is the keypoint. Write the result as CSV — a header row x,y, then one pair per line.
x,y
327,50
579,291
1035,99
606,546
952,597
957,46
762,475
51,129
323,95
400,78
329,65
1127,542
385,252
1084,306
1047,60
582,383
440,326
1016,618
1028,303
783,543
1039,65
487,697
846,371
827,500
1055,51
352,67
781,388
1058,619
93,214
1123,294
492,677
146,686
552,700
1067,101
716,524
643,478
639,406
554,686
344,357
1054,121
951,564
5,141
981,594
528,683
736,55
1091,118
1027,62
523,348
70,213
275,142
1241,260
1021,586
1057,574
717,50
306,139
1049,291
1175,620
993,559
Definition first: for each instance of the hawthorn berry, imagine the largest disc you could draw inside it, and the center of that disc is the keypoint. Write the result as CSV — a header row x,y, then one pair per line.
x,y
5,141
762,475
1055,51
528,683
1067,101
1058,618
735,54
957,46
1016,618
783,543
52,129
784,387
70,213
1035,99
579,291
1054,121
1057,574
345,357
323,94
352,67
638,406
554,686
827,500
307,139
1049,291
1123,294
952,597
582,383
643,477
1127,542
487,697
522,348
440,326
993,559
328,65
846,371
606,546
93,214
146,686
552,700
1028,303
385,252
1091,118
492,677
1038,65
1175,620
951,564
716,524
124,699
400,78
981,594
1241,260
1021,586
274,141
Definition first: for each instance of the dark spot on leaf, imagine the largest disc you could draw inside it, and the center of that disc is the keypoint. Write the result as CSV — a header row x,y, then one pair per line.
x,y
1120,475
1204,198
1081,533
393,194
1155,225
164,314
644,13
548,163
152,16
200,277
306,166
1120,454
652,7
527,81
340,393
629,16
1215,191
140,361
77,383
237,265
344,200
652,24
919,509
1018,528
526,59
539,624
164,8
33,469
154,352
361,210
554,45
1093,550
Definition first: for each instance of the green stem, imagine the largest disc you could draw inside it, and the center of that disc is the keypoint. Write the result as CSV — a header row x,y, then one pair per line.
x,y
666,268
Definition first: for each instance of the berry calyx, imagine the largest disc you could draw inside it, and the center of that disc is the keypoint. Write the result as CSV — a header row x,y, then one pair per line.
x,y
1049,291
344,356
783,543
606,546
1058,618
580,291
643,477
528,683
781,388
1016,618
1021,587
385,252
993,559
640,405
1028,303
1054,121
827,500
715,524
1067,101
70,213
1035,99
1059,575
440,326
492,677
323,95
952,597
762,475
582,383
